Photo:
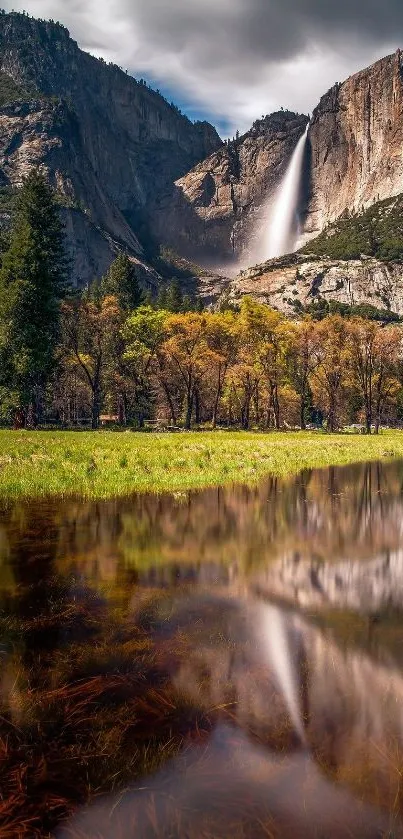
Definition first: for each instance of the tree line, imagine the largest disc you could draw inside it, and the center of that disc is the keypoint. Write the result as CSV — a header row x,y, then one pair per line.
x,y
71,357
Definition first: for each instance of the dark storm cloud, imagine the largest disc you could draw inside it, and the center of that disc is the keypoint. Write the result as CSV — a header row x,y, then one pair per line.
x,y
265,30
235,58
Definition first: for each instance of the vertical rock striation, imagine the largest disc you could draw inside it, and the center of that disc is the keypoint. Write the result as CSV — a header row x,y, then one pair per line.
x,y
356,142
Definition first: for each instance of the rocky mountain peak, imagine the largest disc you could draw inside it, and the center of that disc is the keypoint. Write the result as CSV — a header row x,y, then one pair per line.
x,y
132,172
97,132
41,56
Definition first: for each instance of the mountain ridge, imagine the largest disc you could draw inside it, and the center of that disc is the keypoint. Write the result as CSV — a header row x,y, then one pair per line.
x,y
97,132
132,173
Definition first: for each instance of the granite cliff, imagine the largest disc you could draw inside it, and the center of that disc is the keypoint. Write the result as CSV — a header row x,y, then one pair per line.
x,y
216,211
132,172
294,282
356,261
355,140
353,162
353,203
109,143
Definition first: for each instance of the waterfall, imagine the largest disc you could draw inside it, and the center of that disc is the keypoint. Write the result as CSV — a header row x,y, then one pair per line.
x,y
281,231
279,649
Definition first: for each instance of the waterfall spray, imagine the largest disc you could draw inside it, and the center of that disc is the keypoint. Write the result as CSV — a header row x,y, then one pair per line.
x,y
281,231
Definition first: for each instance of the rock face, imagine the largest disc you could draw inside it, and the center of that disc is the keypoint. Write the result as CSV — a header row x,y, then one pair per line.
x,y
366,587
131,171
298,280
216,210
99,134
354,159
356,138
42,133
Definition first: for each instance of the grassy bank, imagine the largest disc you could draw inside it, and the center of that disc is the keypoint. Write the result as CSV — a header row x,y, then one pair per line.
x,y
104,464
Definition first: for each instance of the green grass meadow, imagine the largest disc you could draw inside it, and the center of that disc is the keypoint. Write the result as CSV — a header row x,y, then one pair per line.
x,y
107,464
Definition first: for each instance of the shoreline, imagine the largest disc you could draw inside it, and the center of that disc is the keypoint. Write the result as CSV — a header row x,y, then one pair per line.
x,y
107,465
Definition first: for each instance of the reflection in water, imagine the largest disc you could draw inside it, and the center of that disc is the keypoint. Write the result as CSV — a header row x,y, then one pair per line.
x,y
232,787
267,777
218,664
273,630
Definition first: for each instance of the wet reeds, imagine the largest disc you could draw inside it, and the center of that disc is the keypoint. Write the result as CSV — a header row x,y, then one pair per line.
x,y
151,709
84,718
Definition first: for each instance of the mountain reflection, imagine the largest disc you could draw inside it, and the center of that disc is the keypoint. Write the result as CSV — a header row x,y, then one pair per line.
x,y
340,515
219,664
299,742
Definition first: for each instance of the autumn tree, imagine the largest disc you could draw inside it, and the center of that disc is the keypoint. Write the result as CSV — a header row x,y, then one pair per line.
x,y
375,352
362,338
302,358
87,328
121,283
387,357
267,333
187,351
222,339
242,390
333,356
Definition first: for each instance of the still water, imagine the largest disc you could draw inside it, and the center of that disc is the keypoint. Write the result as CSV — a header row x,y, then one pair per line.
x,y
219,664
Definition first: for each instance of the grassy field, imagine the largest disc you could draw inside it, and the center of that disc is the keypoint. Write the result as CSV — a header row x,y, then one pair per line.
x,y
106,464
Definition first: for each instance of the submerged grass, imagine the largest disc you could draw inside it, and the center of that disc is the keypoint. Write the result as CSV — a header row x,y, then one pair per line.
x,y
136,694
107,464
86,718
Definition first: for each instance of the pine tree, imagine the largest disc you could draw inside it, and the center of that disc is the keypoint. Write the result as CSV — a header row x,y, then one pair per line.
x,y
188,303
32,284
121,282
174,297
149,299
162,296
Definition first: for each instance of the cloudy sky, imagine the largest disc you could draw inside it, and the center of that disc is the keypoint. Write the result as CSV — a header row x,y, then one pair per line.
x,y
231,61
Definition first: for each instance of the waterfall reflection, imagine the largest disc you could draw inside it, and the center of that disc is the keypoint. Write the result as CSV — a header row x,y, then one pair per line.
x,y
225,663
275,638
298,742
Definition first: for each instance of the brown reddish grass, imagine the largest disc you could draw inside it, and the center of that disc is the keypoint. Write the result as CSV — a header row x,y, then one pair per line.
x,y
92,718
